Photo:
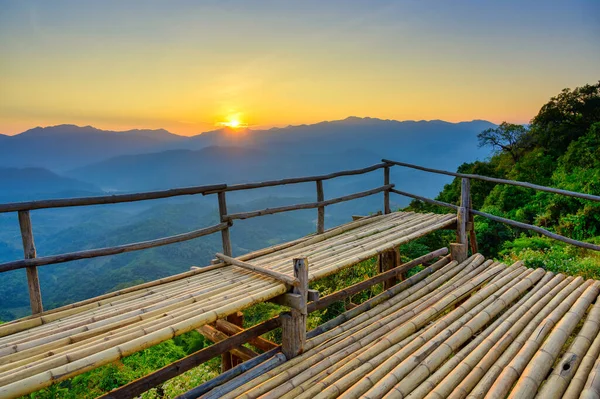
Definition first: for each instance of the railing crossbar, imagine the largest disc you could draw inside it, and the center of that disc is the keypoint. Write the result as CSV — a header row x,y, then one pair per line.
x,y
93,253
568,193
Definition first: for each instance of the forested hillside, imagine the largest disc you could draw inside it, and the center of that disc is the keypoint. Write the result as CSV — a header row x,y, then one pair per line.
x,y
560,148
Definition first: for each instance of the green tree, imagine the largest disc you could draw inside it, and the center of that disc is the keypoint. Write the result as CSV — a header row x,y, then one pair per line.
x,y
508,137
566,117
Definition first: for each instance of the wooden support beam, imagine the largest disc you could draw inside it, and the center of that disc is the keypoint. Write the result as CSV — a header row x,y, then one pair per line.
x,y
289,299
174,369
313,295
284,278
230,328
29,252
321,209
229,360
225,238
386,193
217,336
293,324
388,260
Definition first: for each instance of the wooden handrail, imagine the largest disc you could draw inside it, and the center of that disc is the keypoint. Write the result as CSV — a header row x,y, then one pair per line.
x,y
94,253
107,199
295,180
284,278
511,222
568,193
310,205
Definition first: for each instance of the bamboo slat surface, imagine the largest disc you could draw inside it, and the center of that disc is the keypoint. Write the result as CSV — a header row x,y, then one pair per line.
x,y
478,329
40,350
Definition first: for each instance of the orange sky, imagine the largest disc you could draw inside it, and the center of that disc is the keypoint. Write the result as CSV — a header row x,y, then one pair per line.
x,y
186,67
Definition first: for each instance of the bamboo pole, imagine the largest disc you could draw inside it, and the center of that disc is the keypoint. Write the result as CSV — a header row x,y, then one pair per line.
x,y
485,373
423,311
583,371
414,370
515,368
556,385
445,379
360,325
540,364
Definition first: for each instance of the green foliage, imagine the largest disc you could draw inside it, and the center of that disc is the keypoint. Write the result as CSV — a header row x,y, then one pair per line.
x,y
507,137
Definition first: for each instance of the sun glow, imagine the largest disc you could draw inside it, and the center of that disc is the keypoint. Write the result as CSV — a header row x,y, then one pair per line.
x,y
233,122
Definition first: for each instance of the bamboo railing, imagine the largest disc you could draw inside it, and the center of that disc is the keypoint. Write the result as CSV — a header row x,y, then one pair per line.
x,y
31,259
465,212
464,226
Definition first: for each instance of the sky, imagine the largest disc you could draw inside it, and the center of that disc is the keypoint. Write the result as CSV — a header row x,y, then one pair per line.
x,y
192,66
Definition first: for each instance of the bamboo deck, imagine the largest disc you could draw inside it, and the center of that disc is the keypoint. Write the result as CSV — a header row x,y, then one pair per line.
x,y
36,352
473,330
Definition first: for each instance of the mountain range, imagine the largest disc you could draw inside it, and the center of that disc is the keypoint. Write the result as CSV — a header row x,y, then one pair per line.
x,y
68,161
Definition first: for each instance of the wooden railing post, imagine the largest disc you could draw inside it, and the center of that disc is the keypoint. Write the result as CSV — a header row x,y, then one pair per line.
x,y
225,232
33,281
386,193
321,209
460,248
293,324
388,260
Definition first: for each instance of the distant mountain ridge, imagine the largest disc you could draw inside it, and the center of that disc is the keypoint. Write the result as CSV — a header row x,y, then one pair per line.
x,y
65,147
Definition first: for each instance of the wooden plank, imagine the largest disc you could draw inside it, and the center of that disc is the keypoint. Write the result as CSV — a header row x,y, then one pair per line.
x,y
145,383
311,205
293,324
501,181
386,194
321,209
108,199
284,278
29,252
225,238
295,180
94,253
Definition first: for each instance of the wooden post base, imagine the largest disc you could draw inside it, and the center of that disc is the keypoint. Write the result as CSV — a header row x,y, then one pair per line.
x,y
458,252
293,324
387,261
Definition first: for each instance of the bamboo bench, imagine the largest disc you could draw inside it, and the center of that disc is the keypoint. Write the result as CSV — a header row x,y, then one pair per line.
x,y
470,330
43,349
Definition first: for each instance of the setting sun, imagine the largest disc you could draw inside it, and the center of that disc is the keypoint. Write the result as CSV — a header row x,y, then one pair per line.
x,y
233,122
